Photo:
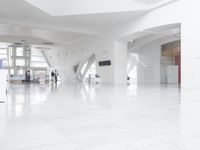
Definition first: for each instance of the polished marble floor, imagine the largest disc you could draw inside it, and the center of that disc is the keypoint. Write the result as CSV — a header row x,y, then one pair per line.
x,y
100,117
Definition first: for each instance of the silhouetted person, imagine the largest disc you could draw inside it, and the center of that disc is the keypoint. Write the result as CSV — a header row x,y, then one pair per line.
x,y
56,76
28,76
52,75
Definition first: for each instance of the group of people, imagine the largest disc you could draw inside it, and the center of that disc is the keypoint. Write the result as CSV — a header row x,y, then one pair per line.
x,y
27,76
54,76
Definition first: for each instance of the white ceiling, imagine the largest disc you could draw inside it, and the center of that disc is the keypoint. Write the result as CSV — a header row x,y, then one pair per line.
x,y
77,7
13,33
147,2
34,20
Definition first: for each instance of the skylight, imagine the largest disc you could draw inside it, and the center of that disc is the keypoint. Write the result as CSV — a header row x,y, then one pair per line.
x,y
77,7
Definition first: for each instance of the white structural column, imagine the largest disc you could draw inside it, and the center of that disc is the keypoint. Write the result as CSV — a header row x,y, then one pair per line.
x,y
190,44
3,83
120,62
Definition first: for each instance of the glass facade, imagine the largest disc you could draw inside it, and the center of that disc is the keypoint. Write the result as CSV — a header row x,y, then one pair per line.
x,y
18,59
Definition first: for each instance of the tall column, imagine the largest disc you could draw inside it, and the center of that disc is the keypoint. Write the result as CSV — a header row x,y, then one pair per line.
x,y
190,53
120,62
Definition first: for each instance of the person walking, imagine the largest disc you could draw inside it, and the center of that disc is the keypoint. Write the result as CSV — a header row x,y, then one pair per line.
x,y
28,76
52,76
56,77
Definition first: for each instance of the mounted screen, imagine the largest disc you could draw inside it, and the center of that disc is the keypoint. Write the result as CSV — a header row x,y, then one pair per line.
x,y
105,63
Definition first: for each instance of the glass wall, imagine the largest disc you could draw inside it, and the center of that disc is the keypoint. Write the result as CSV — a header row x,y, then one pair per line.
x,y
3,56
171,62
20,58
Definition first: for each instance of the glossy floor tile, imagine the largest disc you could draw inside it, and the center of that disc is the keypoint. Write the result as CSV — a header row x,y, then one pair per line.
x,y
100,117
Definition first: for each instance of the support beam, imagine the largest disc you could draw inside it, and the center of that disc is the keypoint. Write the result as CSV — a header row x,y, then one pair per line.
x,y
120,62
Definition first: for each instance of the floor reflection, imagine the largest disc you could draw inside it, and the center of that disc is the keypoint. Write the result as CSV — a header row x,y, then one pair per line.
x,y
88,91
132,90
21,98
100,116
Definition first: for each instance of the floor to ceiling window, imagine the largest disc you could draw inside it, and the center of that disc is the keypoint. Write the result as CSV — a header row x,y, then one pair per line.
x,y
171,62
17,59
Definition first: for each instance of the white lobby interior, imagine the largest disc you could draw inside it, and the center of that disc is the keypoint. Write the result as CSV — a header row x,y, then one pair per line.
x,y
126,75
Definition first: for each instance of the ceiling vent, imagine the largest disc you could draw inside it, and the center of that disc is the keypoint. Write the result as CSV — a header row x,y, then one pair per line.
x,y
48,43
18,44
42,48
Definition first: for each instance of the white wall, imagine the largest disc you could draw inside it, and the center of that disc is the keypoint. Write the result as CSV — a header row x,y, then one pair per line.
x,y
3,83
104,46
120,62
100,46
183,11
149,55
190,54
